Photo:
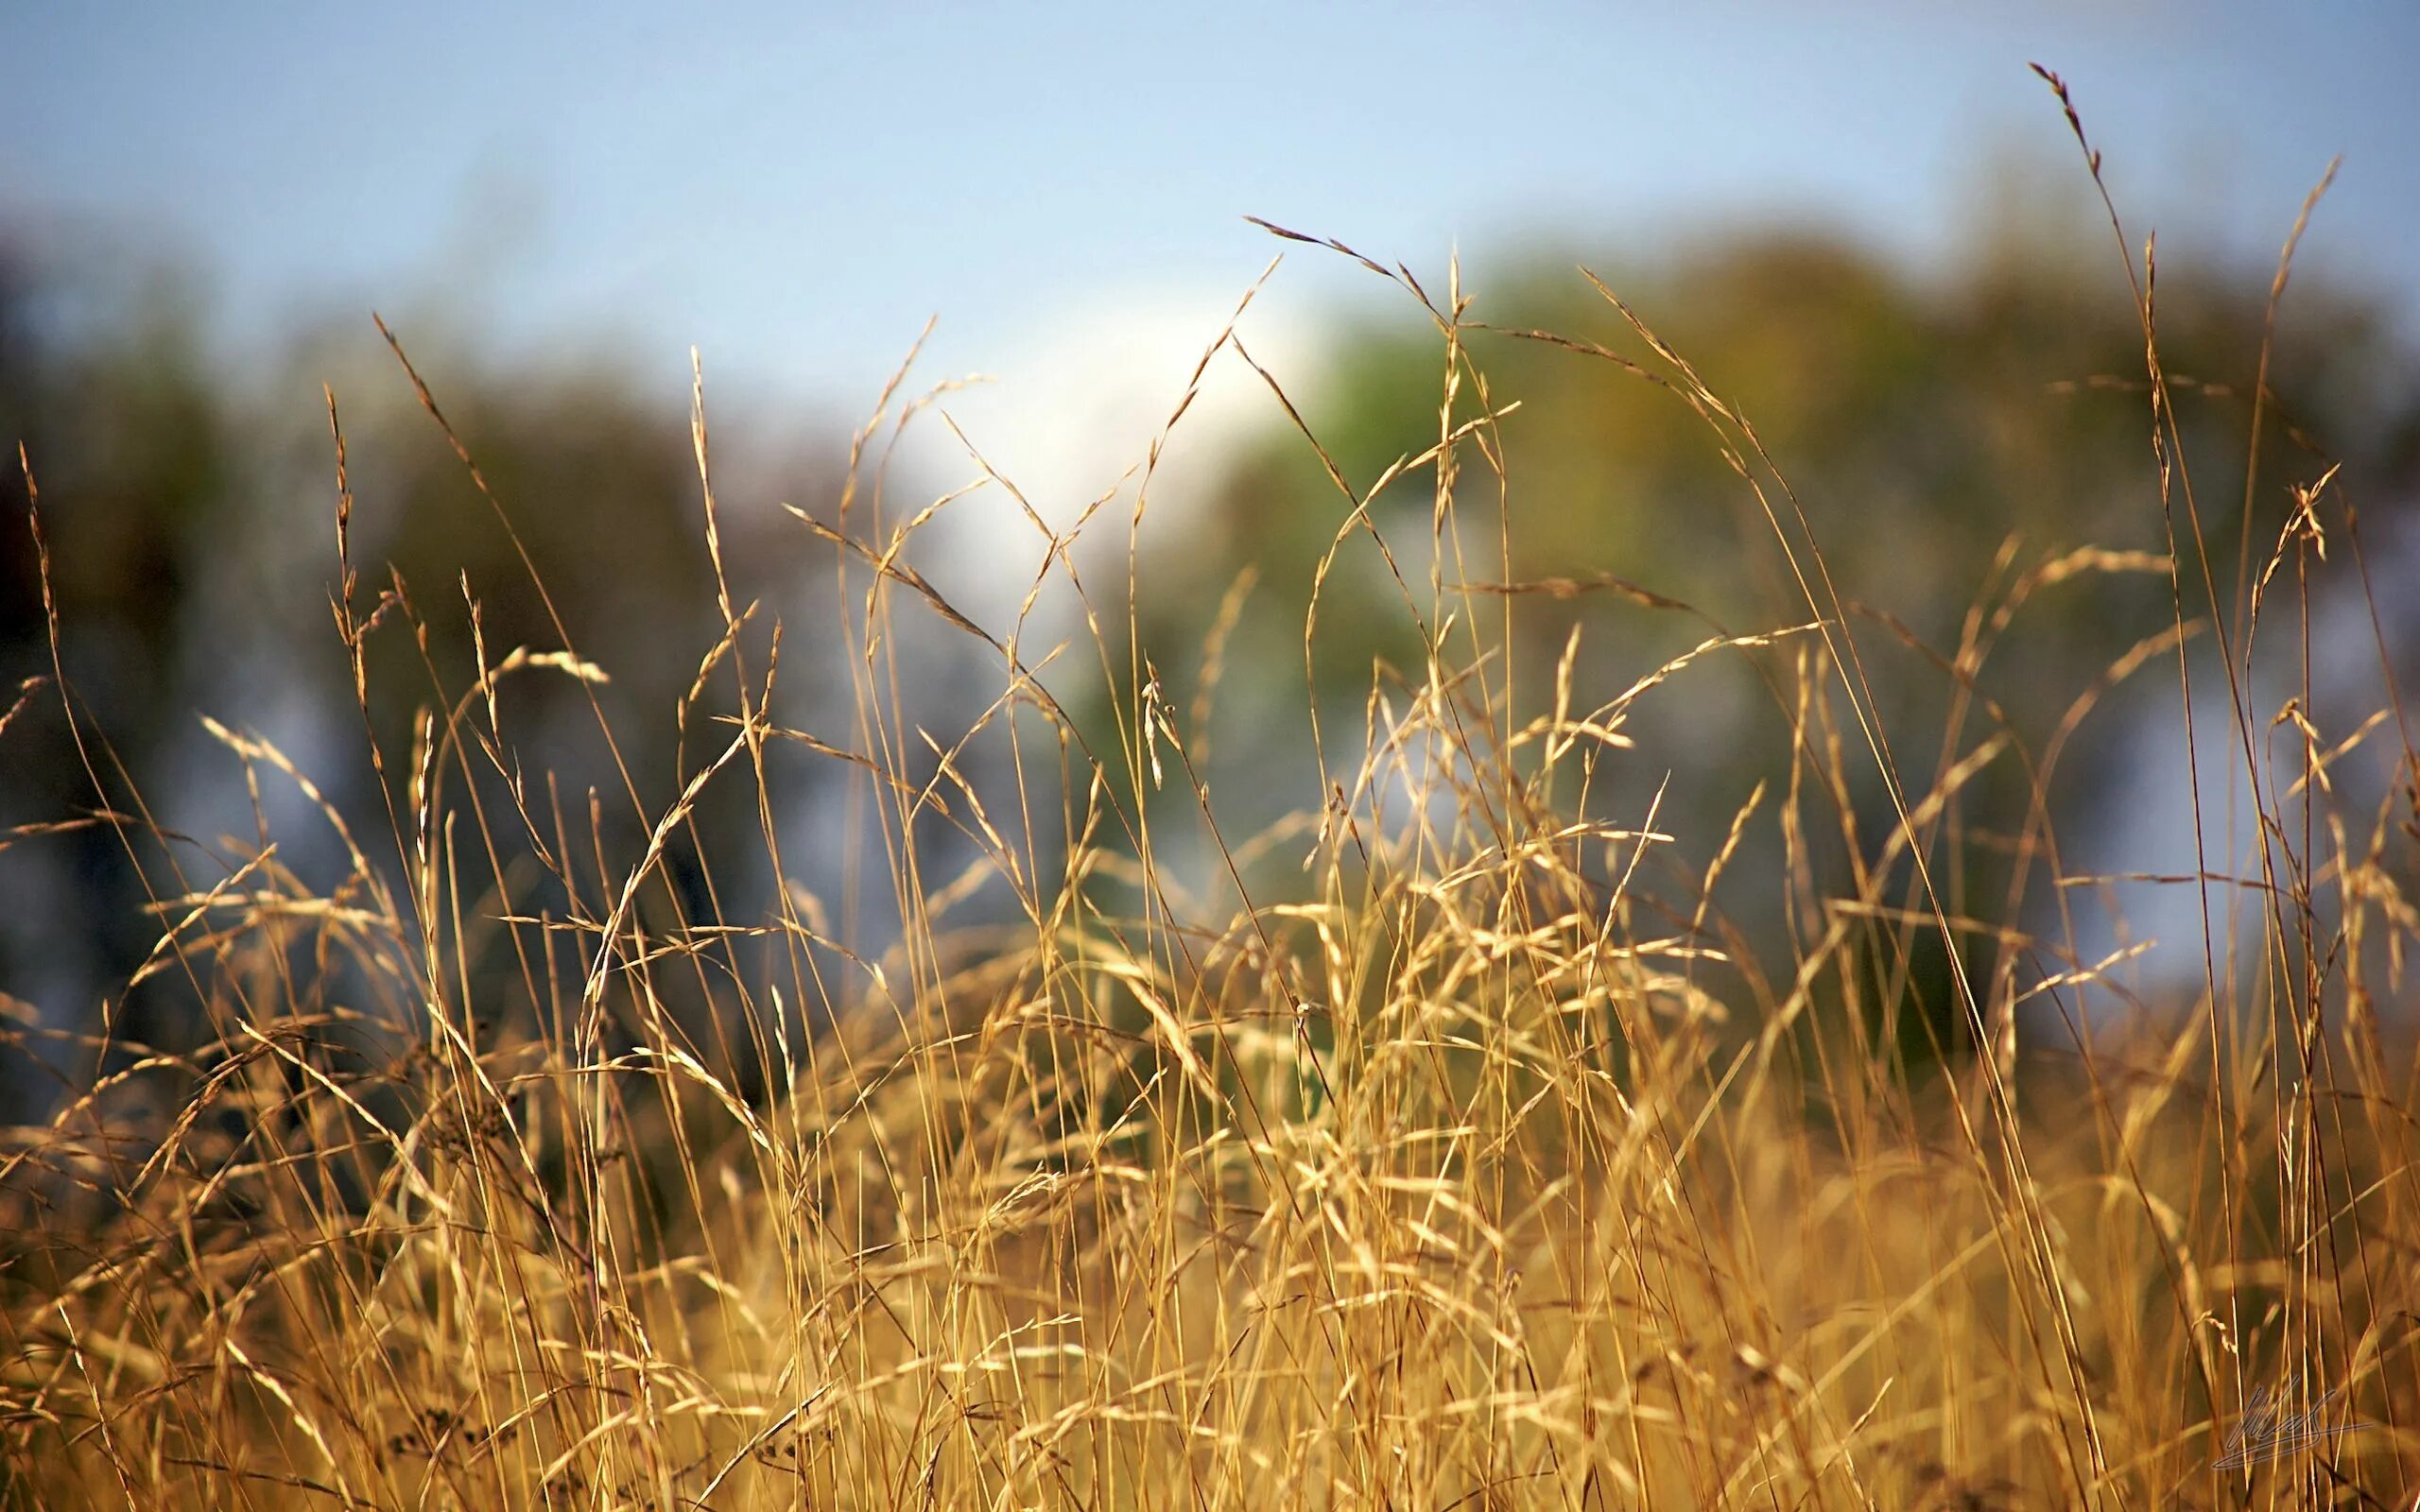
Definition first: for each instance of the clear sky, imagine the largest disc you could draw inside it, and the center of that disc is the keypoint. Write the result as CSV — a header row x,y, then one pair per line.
x,y
794,189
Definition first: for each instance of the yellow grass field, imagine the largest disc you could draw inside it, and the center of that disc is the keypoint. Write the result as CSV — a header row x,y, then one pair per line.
x,y
1441,1148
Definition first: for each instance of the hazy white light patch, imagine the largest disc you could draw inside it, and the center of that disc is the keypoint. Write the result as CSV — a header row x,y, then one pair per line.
x,y
1069,414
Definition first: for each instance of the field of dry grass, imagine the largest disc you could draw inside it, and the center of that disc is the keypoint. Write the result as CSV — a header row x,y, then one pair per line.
x,y
1475,1166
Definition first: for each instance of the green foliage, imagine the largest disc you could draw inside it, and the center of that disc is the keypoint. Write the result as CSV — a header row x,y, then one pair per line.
x,y
1940,441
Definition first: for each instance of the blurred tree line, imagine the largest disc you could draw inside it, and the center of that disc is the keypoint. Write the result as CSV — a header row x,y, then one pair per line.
x,y
1949,436
190,518
1926,422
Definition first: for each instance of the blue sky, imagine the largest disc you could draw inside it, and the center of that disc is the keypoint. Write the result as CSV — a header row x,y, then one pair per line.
x,y
795,189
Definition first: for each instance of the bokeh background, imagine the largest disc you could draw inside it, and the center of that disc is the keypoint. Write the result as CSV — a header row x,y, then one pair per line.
x,y
1874,231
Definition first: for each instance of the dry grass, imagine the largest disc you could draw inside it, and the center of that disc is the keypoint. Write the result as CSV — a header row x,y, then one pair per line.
x,y
1468,1167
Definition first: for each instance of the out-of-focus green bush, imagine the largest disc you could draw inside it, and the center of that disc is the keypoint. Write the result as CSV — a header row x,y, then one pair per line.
x,y
1946,435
